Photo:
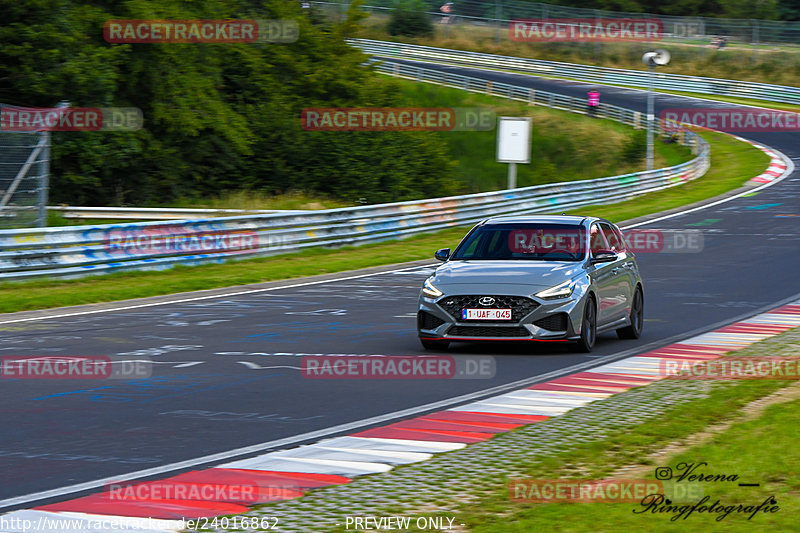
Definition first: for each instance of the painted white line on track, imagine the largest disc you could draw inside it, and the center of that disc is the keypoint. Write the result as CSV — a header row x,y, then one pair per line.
x,y
789,170
210,296
256,366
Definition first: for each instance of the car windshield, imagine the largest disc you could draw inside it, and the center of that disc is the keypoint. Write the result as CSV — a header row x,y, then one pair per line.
x,y
537,242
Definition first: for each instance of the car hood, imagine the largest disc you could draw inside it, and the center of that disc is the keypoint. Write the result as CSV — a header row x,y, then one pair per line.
x,y
521,273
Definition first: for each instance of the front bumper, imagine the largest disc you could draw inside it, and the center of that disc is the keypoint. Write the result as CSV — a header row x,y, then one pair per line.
x,y
548,321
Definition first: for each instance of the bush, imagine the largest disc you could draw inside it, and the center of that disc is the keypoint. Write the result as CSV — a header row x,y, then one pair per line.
x,y
636,148
409,19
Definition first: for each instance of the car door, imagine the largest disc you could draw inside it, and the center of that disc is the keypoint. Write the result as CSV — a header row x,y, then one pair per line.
x,y
602,276
623,280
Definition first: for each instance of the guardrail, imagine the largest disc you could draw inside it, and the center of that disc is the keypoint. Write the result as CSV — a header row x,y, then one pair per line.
x,y
153,213
499,13
84,250
588,73
514,92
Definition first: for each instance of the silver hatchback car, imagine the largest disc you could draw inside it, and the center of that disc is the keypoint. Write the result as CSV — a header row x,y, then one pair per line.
x,y
533,278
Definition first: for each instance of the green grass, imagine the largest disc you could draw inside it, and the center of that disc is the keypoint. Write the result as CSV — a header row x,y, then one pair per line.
x,y
565,146
246,200
762,450
256,200
56,219
732,163
731,166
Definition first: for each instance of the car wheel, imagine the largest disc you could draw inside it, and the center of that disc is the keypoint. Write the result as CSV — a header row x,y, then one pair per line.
x,y
634,330
588,328
429,344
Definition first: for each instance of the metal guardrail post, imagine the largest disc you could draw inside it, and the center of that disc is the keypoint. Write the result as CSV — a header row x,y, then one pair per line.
x,y
44,180
754,23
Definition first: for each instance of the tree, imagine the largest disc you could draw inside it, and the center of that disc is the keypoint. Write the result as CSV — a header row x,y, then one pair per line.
x,y
216,116
409,18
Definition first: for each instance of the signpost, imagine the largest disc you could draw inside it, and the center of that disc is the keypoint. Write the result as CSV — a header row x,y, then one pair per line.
x,y
652,59
513,144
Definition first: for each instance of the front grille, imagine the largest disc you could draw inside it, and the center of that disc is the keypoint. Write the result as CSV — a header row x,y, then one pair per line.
x,y
556,322
488,331
426,320
519,305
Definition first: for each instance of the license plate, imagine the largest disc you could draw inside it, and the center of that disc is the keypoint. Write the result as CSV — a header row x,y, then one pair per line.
x,y
486,314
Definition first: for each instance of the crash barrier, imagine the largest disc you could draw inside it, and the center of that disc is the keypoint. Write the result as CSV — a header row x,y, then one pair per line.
x,y
587,73
154,213
498,14
77,251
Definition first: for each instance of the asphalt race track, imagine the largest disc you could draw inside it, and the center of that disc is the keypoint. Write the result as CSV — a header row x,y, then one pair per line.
x,y
226,369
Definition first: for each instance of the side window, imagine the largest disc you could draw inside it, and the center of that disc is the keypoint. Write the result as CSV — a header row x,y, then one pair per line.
x,y
596,240
469,251
621,238
614,243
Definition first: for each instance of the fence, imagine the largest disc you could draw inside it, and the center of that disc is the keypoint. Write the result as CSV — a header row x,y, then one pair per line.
x,y
588,73
499,13
80,251
24,171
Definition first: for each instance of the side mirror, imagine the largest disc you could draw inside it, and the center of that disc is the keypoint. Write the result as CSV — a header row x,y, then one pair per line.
x,y
442,254
603,256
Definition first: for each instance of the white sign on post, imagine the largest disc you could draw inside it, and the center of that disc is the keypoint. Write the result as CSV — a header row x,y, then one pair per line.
x,y
513,144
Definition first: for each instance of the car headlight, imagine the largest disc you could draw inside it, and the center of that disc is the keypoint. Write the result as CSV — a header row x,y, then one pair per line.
x,y
562,290
429,289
